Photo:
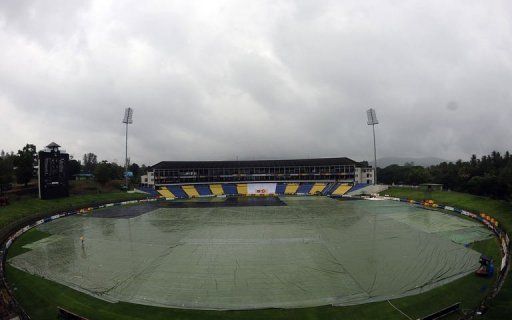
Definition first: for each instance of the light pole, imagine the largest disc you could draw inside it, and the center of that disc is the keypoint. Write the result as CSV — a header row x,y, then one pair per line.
x,y
128,114
372,121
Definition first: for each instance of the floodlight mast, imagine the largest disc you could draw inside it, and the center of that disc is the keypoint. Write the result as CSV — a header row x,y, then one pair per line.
x,y
128,114
372,121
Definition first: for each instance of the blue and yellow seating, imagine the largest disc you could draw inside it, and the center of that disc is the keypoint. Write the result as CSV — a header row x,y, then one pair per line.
x,y
217,189
190,191
242,188
341,190
166,193
291,188
317,188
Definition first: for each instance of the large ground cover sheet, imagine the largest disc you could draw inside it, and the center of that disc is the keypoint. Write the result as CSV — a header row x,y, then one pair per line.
x,y
313,251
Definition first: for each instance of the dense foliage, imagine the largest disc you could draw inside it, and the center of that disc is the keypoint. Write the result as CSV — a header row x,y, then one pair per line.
x,y
25,162
20,168
90,162
491,175
6,170
106,171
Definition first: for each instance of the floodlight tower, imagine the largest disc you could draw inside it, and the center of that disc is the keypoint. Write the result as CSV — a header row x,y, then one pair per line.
x,y
128,114
372,121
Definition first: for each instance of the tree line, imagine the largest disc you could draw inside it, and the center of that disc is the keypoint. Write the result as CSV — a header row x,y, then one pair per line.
x,y
17,166
21,167
105,171
490,175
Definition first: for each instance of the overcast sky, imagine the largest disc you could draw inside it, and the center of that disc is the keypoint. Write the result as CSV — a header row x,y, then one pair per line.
x,y
216,80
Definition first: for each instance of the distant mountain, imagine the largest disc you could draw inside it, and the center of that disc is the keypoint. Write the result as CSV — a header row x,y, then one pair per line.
x,y
424,162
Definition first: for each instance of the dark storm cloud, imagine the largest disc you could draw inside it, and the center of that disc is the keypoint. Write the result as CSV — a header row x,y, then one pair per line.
x,y
264,79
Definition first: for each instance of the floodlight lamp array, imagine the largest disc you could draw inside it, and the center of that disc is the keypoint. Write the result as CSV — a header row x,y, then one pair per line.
x,y
128,115
372,117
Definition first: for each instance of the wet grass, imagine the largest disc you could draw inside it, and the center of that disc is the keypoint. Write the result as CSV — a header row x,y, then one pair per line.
x,y
31,207
40,297
502,210
501,306
29,237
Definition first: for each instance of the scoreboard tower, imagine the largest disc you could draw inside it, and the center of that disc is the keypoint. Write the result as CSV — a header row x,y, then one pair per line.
x,y
53,172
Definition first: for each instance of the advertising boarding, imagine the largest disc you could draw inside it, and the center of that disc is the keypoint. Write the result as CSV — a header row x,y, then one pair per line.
x,y
261,188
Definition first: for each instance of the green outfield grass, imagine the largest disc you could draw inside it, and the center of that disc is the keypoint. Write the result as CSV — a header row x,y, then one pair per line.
x,y
502,210
33,206
41,297
499,209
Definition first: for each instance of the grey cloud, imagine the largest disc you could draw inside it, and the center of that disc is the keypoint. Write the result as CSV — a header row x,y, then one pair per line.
x,y
226,79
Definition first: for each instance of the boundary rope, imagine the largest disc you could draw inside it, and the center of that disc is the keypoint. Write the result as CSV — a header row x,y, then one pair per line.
x,y
399,310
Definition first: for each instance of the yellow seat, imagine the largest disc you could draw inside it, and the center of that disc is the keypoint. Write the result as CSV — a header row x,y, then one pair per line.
x,y
242,188
341,190
291,188
190,191
217,189
166,193
317,187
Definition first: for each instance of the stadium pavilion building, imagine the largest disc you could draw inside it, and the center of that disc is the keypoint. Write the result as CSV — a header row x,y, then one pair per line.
x,y
197,178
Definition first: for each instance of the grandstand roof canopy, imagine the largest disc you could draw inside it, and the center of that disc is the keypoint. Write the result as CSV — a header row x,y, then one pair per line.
x,y
255,163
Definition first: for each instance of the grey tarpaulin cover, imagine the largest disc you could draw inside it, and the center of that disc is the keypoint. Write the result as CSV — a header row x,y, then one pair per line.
x,y
314,251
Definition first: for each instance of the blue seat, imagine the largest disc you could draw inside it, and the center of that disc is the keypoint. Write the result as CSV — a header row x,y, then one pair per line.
x,y
149,190
330,188
178,192
280,188
229,189
304,188
357,187
203,190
